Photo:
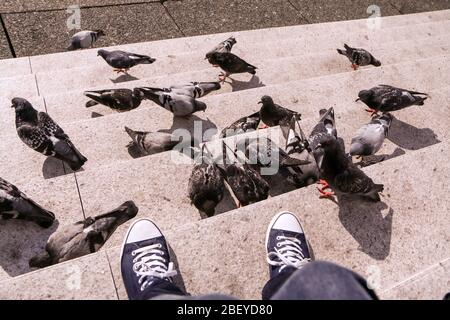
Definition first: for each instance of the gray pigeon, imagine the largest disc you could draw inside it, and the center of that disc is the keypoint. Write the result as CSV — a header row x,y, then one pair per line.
x,y
122,61
231,64
179,104
297,147
359,57
224,46
153,142
244,124
14,204
83,237
325,127
342,175
272,114
116,99
246,183
84,39
384,98
196,89
38,131
206,184
370,137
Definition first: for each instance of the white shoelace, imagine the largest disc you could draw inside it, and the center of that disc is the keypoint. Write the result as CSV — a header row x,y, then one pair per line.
x,y
288,252
150,263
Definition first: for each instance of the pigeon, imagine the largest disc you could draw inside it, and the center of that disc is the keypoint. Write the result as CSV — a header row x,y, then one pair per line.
x,y
264,152
85,39
359,57
122,61
116,99
384,98
14,204
179,104
326,126
246,183
154,142
297,147
196,89
231,64
370,137
342,175
38,131
223,47
83,237
244,124
206,184
272,114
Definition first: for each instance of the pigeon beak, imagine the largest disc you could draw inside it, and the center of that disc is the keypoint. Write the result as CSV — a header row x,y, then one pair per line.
x,y
357,99
260,102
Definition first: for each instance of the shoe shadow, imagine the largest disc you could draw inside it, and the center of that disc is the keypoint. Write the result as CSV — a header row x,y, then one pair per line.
x,y
367,224
374,159
20,241
52,168
124,78
237,85
409,137
178,279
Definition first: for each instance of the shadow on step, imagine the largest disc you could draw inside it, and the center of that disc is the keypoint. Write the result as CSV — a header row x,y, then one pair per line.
x,y
237,85
193,124
178,279
19,242
409,137
368,223
52,168
124,78
374,159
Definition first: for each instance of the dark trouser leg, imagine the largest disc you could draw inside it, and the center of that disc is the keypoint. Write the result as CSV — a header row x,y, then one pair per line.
x,y
318,281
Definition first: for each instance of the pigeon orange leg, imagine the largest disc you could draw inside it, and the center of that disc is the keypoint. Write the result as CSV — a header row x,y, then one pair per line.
x,y
125,71
324,184
355,66
372,111
222,77
325,194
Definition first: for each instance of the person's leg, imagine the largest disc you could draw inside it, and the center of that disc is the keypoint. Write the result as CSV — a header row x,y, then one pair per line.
x,y
293,276
324,281
145,263
287,251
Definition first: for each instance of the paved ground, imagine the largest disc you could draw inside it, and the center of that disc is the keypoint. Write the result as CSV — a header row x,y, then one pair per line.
x,y
31,27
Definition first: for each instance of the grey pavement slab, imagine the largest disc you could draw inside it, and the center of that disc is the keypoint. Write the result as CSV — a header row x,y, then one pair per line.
x,y
45,32
45,5
325,10
213,16
5,52
407,6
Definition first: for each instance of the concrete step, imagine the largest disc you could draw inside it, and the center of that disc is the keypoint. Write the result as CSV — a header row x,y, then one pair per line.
x,y
381,240
203,43
305,96
432,283
67,80
93,75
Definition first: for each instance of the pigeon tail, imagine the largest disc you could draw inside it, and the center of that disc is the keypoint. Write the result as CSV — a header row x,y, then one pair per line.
x,y
251,69
91,103
32,211
347,47
96,99
133,134
146,60
69,154
340,51
420,101
374,193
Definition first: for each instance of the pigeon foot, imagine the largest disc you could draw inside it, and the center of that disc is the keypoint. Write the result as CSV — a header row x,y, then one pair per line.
x,y
355,66
325,194
374,112
324,184
125,71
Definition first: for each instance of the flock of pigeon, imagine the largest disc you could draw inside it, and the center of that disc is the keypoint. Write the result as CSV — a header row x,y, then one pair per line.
x,y
319,157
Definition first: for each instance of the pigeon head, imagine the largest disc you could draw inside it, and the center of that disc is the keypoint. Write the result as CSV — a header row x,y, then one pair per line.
x,y
102,53
328,143
100,33
365,95
137,92
266,99
200,106
108,222
22,106
375,62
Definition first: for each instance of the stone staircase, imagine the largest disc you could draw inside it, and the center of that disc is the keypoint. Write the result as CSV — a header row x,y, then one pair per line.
x,y
401,244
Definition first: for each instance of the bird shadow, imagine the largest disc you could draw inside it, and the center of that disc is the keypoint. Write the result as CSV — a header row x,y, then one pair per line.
x,y
374,159
124,78
178,279
408,137
193,123
227,204
367,224
19,242
52,168
237,85
96,115
278,184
